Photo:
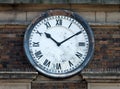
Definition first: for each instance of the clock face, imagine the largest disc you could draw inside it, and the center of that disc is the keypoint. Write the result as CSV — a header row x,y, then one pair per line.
x,y
58,45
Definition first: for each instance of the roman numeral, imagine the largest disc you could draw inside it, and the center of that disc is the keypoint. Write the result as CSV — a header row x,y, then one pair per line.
x,y
47,24
70,24
58,66
35,44
70,63
58,22
38,54
81,43
39,33
79,55
47,63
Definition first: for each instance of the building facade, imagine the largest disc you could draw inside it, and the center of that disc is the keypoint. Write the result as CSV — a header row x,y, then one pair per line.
x,y
103,71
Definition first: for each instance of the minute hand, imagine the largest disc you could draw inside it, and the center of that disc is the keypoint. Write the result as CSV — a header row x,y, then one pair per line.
x,y
70,37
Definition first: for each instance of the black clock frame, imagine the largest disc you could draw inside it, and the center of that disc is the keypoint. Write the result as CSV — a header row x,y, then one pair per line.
x,y
63,13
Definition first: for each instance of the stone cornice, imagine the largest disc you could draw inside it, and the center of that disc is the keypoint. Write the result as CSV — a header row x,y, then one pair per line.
x,y
101,77
76,7
17,75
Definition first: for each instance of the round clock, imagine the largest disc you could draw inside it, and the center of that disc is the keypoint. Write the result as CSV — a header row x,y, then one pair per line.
x,y
59,43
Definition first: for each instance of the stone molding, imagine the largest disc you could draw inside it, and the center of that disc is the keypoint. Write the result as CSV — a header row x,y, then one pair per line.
x,y
101,77
18,76
76,7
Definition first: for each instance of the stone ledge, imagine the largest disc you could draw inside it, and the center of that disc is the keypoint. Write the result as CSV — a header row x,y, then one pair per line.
x,y
101,77
77,7
46,79
24,25
18,75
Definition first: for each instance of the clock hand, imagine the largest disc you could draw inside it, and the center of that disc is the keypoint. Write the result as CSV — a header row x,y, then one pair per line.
x,y
49,36
70,37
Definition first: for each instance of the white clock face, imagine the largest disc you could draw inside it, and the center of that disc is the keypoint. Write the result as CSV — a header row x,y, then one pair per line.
x,y
58,44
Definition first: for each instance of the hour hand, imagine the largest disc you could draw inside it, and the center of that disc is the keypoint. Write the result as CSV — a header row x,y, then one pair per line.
x,y
49,36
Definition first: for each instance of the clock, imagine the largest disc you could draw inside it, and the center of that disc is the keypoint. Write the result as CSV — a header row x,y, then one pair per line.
x,y
59,43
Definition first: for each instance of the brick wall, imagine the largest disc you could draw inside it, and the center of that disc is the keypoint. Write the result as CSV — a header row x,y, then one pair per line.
x,y
11,48
103,19
62,1
107,49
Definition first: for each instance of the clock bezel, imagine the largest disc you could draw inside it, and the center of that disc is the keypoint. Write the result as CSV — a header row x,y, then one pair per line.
x,y
70,14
